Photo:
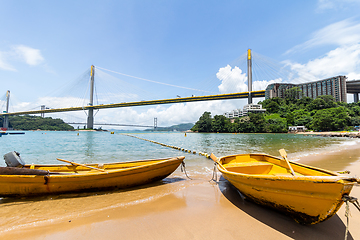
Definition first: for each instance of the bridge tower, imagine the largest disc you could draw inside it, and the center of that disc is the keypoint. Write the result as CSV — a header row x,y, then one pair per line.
x,y
90,119
155,123
6,117
249,72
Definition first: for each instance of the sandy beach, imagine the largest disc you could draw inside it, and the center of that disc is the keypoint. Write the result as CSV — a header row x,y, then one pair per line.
x,y
177,208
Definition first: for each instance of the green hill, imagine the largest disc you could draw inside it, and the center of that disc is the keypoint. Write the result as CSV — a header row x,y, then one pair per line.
x,y
28,122
180,127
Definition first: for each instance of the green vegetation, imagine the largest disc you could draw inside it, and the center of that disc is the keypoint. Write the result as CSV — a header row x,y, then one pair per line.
x,y
28,122
320,114
179,127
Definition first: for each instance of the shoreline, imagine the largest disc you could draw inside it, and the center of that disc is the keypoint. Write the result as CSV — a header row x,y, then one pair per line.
x,y
184,209
332,134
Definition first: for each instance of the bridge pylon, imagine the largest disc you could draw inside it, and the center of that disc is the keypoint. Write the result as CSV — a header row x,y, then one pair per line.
x,y
249,73
6,117
90,119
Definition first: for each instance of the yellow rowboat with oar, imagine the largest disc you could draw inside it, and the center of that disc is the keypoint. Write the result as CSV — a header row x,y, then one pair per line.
x,y
308,194
52,179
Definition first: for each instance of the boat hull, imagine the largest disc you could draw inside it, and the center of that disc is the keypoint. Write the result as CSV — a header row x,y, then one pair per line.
x,y
308,199
77,178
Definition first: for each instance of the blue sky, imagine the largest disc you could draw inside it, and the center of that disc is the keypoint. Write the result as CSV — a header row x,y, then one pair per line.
x,y
46,47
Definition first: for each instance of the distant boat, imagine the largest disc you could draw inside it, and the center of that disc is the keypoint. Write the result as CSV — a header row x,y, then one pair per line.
x,y
309,195
53,179
3,133
14,133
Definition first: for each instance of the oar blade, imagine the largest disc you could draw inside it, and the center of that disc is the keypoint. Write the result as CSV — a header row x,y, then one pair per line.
x,y
213,157
283,153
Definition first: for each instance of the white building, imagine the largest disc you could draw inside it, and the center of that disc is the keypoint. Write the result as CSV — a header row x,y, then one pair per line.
x,y
247,108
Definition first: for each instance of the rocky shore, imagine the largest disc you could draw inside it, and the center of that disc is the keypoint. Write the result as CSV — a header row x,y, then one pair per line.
x,y
332,134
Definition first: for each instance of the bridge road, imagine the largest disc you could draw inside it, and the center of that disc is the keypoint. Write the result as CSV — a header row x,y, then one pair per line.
x,y
254,94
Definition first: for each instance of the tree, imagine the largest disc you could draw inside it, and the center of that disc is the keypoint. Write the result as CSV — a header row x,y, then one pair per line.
x,y
330,119
28,122
302,118
290,120
272,106
204,124
221,124
304,101
275,124
245,125
293,94
329,101
258,121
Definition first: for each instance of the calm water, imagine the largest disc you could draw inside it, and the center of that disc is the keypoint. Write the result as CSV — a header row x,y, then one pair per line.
x,y
90,147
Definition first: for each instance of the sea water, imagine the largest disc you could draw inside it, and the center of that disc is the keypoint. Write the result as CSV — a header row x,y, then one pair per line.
x,y
43,147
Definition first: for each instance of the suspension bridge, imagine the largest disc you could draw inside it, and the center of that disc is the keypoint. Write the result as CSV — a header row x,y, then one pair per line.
x,y
91,107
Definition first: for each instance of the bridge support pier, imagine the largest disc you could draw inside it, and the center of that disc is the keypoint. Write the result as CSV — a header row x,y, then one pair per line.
x,y
90,119
6,117
356,97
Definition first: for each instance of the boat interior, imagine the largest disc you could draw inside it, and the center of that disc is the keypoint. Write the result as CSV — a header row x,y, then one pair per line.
x,y
268,165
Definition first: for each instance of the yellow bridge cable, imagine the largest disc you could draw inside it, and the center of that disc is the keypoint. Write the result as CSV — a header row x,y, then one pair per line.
x,y
169,146
144,79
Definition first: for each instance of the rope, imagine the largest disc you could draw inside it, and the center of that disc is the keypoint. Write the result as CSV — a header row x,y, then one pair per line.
x,y
183,169
180,149
214,176
169,146
346,198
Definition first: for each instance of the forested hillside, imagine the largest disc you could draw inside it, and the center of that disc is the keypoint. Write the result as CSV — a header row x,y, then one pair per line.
x,y
28,122
320,114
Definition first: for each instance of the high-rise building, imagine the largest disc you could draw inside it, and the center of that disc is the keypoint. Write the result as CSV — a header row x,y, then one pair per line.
x,y
335,86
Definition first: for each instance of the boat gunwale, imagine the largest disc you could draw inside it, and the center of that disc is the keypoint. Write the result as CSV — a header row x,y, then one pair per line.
x,y
91,173
333,178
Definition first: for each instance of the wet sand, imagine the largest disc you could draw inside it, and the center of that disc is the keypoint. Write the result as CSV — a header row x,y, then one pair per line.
x,y
177,208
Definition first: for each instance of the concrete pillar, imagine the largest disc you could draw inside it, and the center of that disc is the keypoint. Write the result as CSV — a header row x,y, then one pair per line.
x,y
90,119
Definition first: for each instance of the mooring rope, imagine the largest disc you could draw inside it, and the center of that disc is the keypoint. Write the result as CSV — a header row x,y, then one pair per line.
x,y
214,176
346,198
183,169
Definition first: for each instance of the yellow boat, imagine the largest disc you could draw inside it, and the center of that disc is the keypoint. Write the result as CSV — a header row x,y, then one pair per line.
x,y
52,179
308,194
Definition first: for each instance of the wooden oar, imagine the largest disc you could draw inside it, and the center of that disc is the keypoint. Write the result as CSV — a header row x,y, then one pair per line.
x,y
83,165
284,155
213,157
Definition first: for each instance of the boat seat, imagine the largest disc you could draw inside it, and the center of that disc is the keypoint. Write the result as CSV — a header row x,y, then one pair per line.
x,y
249,167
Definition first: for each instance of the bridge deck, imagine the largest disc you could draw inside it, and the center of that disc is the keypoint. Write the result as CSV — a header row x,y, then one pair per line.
x,y
147,103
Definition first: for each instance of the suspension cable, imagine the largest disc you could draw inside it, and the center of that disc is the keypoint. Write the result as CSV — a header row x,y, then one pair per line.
x,y
144,79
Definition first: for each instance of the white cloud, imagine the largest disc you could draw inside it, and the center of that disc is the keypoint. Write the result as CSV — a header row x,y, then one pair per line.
x,y
340,61
261,85
167,115
234,80
345,32
335,4
344,59
3,63
30,55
